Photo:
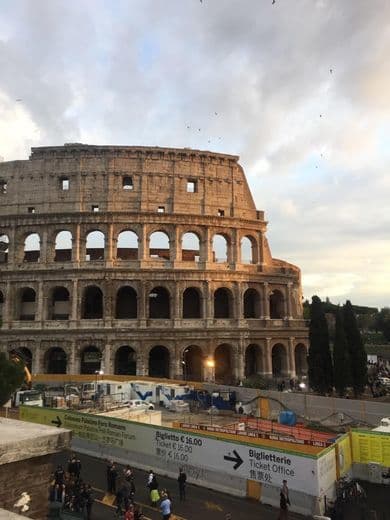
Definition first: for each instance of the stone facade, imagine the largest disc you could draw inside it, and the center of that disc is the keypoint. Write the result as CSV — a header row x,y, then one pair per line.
x,y
143,260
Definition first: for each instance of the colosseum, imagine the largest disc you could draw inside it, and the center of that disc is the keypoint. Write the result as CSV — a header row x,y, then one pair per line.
x,y
143,260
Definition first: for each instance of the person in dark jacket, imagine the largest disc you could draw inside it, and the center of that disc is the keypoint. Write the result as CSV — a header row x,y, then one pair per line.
x,y
182,479
112,475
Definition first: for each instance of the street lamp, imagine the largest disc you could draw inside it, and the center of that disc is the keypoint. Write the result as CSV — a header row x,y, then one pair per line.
x,y
210,366
97,373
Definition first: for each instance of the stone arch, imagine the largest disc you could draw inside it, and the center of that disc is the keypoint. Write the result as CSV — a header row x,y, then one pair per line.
x,y
251,304
159,245
220,248
59,304
90,360
279,360
159,360
24,354
300,355
192,362
253,360
190,247
94,245
127,245
125,361
27,304
4,248
92,303
192,303
32,248
223,357
276,305
63,246
248,248
159,303
126,303
223,303
55,361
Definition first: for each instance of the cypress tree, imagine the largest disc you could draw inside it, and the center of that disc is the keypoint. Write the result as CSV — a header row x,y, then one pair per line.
x,y
319,359
341,363
356,351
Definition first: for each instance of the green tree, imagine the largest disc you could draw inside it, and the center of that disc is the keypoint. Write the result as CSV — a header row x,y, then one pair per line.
x,y
342,375
382,322
356,351
11,377
319,359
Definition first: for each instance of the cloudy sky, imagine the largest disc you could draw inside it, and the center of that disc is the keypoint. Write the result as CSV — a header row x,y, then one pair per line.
x,y
301,89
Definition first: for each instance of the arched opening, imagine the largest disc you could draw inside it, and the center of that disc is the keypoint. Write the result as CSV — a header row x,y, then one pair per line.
x,y
220,249
91,358
159,304
190,248
55,361
92,303
251,304
159,246
276,305
248,245
127,246
253,360
95,246
192,363
300,354
223,364
24,354
32,248
4,245
63,247
159,362
28,304
191,304
126,304
125,361
60,304
223,303
1,304
279,360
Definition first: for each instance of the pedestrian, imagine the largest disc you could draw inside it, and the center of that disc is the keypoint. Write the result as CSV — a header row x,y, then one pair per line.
x,y
88,500
150,478
59,475
129,513
127,473
154,497
182,479
284,501
77,467
166,506
112,475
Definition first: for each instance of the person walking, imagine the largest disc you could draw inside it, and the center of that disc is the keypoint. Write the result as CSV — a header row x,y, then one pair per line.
x,y
284,501
166,507
182,479
112,475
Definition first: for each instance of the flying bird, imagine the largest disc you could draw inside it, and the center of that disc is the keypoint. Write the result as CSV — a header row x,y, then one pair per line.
x,y
216,113
199,129
19,100
331,71
273,2
320,115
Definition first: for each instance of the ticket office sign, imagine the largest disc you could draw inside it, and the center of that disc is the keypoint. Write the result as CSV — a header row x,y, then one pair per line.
x,y
370,446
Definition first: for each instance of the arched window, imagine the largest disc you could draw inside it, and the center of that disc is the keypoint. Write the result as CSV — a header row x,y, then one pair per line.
x,y
190,248
63,247
24,354
276,305
159,247
247,250
223,364
92,303
223,303
192,363
253,360
127,246
126,304
4,245
60,305
191,304
90,360
159,303
28,305
55,361
220,249
279,360
300,355
95,246
159,362
251,304
32,248
125,361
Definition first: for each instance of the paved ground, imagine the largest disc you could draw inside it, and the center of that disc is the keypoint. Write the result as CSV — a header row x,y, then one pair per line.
x,y
201,503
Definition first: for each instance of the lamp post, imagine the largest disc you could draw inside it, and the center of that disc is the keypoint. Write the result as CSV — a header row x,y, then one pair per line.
x,y
97,373
210,366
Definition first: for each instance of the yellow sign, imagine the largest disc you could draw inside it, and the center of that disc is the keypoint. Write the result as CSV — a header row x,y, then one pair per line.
x,y
370,446
344,455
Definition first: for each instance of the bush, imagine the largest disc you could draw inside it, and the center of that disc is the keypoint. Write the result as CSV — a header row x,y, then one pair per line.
x,y
256,381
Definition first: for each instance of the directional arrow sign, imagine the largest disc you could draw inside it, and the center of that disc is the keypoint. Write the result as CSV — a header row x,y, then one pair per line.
x,y
237,459
57,422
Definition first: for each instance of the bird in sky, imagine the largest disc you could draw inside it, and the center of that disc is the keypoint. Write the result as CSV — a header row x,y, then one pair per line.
x,y
199,129
331,71
18,100
273,2
320,115
216,113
